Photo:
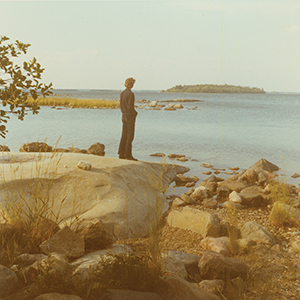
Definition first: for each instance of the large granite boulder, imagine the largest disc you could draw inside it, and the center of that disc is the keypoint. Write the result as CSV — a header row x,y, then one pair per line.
x,y
125,195
203,222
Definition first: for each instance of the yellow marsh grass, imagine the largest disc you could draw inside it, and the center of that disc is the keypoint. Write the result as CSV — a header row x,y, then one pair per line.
x,y
76,103
282,214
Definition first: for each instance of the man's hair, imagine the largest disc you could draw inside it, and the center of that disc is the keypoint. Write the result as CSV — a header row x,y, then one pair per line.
x,y
129,82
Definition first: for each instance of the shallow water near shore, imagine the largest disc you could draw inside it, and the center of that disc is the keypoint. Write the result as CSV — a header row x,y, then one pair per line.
x,y
227,130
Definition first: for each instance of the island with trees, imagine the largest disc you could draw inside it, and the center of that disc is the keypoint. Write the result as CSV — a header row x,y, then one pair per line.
x,y
214,88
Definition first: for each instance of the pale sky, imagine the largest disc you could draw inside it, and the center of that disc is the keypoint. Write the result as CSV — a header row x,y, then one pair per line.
x,y
98,44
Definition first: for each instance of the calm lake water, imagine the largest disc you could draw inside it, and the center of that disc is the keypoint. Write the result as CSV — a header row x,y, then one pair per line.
x,y
227,130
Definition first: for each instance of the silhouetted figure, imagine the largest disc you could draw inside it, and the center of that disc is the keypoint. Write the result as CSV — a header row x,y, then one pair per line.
x,y
128,119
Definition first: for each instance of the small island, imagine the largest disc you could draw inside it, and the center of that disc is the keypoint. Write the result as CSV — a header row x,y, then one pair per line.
x,y
214,88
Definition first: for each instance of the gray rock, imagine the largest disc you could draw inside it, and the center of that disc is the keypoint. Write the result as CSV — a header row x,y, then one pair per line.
x,y
235,197
200,193
218,245
180,289
84,165
203,222
173,265
35,147
8,281
178,202
96,149
258,233
190,261
95,236
213,265
84,265
64,242
253,196
296,246
187,199
213,286
263,164
4,148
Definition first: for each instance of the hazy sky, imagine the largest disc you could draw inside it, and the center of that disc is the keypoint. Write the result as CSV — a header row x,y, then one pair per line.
x,y
98,44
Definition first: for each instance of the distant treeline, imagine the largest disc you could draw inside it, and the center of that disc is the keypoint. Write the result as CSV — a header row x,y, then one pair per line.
x,y
214,88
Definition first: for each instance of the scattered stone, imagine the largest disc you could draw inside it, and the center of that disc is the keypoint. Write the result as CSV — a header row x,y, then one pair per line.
x,y
190,261
233,185
179,288
35,147
206,172
235,197
153,103
172,155
24,260
234,168
246,243
210,203
200,193
84,265
217,172
232,205
95,236
190,184
296,246
213,178
249,176
84,165
64,242
206,165
4,148
96,149
187,199
178,106
218,245
263,164
295,175
258,233
253,196
228,173
8,281
211,187
182,180
178,202
182,159
173,265
203,222
213,286
158,154
213,265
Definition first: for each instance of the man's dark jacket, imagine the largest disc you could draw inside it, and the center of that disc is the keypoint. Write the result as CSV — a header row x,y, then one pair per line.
x,y
128,118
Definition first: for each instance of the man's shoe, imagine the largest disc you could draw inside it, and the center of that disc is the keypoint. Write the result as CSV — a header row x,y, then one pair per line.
x,y
122,157
131,158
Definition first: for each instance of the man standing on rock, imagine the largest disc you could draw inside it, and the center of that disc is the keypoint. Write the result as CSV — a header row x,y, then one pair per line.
x,y
128,119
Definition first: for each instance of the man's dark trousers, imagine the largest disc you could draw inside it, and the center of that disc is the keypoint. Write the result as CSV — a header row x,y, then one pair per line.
x,y
125,148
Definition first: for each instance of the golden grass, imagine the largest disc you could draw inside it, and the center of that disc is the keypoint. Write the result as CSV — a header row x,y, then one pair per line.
x,y
75,102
